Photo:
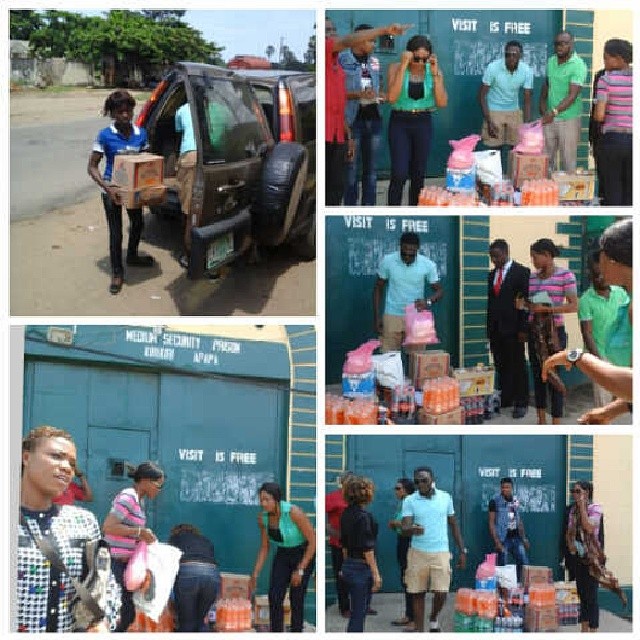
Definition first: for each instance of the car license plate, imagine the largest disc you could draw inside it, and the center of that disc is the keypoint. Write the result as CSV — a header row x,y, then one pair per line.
x,y
220,249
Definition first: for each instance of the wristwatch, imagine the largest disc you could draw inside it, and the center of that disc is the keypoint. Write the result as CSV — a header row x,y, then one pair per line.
x,y
573,355
555,112
300,572
465,551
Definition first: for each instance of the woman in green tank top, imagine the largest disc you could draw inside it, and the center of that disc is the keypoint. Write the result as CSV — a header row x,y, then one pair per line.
x,y
291,531
416,88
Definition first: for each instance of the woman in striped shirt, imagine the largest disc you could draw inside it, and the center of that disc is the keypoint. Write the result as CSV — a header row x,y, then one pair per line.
x,y
126,525
560,285
614,108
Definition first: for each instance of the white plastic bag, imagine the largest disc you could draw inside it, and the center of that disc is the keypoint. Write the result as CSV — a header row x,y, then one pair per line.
x,y
163,562
388,369
507,576
488,166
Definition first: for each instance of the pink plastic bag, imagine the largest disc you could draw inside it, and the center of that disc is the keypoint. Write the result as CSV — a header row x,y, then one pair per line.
x,y
530,138
359,360
487,569
136,570
462,155
419,326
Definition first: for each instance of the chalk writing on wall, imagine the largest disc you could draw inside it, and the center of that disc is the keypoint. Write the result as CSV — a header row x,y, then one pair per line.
x,y
533,498
365,254
228,485
471,57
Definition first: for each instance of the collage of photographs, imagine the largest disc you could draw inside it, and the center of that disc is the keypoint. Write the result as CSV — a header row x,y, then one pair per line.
x,y
205,434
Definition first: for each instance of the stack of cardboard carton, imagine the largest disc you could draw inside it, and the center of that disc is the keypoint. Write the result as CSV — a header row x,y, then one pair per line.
x,y
139,179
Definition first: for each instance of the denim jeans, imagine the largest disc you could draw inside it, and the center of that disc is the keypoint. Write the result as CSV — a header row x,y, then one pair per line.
x,y
341,587
195,589
285,562
514,547
366,135
409,143
357,575
113,213
557,399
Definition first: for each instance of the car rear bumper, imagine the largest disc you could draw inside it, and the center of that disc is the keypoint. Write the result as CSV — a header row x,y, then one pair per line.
x,y
218,244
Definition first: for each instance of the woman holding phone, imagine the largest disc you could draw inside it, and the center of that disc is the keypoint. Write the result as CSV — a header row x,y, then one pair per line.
x,y
416,89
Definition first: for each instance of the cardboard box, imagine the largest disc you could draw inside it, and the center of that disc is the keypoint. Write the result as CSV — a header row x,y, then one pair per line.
x,y
261,613
541,618
145,196
451,417
536,575
575,186
461,180
426,365
358,385
134,171
475,382
234,585
523,167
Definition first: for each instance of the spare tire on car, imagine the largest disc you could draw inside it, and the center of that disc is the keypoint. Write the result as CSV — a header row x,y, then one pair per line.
x,y
283,177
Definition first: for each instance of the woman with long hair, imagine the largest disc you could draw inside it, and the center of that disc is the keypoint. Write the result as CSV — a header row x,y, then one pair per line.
x,y
583,540
126,525
290,530
415,90
358,533
547,334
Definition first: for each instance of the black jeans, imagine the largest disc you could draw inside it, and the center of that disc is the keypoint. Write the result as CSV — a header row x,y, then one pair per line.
x,y
335,170
114,221
557,399
409,144
195,590
341,588
285,562
127,608
401,553
615,168
511,365
587,587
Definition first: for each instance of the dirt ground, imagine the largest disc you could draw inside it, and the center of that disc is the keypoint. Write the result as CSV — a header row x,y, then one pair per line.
x,y
60,262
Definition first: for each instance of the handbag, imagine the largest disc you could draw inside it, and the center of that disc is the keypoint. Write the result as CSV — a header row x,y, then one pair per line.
x,y
85,608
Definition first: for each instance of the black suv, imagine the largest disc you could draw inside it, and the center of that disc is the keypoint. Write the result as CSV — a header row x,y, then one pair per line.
x,y
248,186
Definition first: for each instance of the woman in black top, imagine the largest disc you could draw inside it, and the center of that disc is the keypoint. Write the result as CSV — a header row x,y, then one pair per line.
x,y
358,539
198,580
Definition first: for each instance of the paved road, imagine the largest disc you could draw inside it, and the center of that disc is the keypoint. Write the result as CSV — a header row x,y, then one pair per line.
x,y
48,167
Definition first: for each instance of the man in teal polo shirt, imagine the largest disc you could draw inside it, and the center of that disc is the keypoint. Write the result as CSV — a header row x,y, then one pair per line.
x,y
560,105
500,99
425,517
403,273
604,322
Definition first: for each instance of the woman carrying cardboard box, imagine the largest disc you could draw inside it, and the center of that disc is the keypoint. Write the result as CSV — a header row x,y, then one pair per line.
x,y
122,136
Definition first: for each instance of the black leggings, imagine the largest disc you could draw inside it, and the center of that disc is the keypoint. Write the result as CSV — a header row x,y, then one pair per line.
x,y
587,587
285,562
615,168
114,221
334,174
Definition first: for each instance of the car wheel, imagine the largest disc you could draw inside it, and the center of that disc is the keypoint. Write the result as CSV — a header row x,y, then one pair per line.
x,y
283,177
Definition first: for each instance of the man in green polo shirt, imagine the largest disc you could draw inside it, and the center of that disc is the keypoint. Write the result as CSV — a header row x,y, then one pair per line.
x,y
604,322
560,105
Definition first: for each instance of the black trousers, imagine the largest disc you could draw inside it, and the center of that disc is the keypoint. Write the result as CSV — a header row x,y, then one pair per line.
x,y
401,553
335,169
341,587
285,562
541,388
587,587
114,221
615,168
511,365
127,608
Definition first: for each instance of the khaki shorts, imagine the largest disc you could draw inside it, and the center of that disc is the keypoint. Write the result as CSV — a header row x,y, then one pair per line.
x,y
427,571
185,177
508,123
393,335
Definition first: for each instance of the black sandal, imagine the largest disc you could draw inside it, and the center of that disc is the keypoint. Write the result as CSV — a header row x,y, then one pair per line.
x,y
116,285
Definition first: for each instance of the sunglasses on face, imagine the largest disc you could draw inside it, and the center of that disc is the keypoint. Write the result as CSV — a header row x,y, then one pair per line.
x,y
420,60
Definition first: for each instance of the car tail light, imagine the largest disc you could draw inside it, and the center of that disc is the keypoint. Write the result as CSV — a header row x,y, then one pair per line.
x,y
287,123
157,92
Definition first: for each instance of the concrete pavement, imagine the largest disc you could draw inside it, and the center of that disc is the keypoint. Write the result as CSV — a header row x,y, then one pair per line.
x,y
390,606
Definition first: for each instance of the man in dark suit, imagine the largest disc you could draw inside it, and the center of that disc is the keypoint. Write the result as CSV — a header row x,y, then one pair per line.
x,y
507,327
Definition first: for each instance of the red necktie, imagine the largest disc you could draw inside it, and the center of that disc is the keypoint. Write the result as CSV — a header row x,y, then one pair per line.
x,y
498,284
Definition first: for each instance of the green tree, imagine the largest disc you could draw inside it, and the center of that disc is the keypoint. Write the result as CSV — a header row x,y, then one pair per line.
x,y
269,51
23,23
57,33
310,53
